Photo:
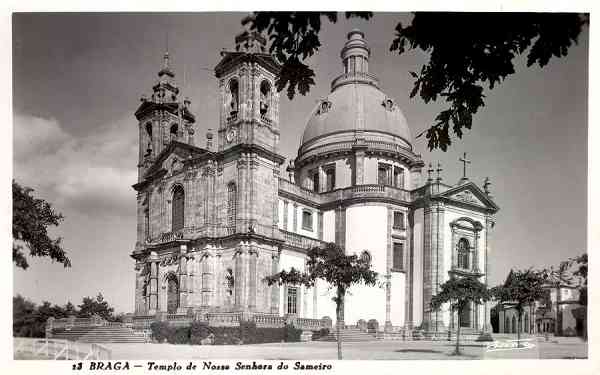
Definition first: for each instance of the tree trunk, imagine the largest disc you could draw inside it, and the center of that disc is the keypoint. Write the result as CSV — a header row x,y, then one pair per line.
x,y
457,349
339,305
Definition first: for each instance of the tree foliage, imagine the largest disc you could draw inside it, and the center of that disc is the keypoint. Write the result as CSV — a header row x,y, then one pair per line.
x,y
467,53
522,289
98,306
31,219
340,271
29,319
460,293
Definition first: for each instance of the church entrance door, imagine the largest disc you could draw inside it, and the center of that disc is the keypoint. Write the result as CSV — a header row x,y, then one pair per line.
x,y
172,294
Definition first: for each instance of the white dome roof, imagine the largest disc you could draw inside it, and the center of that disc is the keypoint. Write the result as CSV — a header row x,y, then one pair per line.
x,y
357,107
356,104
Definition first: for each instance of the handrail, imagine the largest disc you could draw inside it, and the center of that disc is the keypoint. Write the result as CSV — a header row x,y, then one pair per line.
x,y
57,349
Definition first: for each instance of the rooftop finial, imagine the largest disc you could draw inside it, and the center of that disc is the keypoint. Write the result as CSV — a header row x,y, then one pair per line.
x,y
429,172
486,187
465,161
439,171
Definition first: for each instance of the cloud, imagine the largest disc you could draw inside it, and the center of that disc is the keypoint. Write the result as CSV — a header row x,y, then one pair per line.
x,y
90,173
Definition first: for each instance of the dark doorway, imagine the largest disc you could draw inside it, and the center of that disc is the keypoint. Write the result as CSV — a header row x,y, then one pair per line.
x,y
172,294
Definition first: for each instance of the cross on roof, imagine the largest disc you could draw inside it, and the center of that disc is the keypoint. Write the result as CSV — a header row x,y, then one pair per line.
x,y
465,161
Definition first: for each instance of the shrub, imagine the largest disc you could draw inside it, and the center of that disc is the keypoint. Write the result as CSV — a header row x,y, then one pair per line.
x,y
323,332
179,335
292,334
198,332
160,331
248,332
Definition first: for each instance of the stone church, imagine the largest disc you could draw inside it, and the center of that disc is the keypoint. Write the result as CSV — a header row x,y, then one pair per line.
x,y
214,219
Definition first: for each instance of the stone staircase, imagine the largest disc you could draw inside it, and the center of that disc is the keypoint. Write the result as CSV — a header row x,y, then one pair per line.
x,y
101,334
349,335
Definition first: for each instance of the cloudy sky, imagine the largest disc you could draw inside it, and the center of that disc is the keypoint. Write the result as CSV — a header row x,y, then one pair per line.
x,y
77,80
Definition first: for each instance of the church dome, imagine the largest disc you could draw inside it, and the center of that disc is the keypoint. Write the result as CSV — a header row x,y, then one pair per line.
x,y
356,104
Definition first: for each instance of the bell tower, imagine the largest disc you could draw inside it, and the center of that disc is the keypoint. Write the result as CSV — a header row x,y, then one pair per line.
x,y
249,102
162,118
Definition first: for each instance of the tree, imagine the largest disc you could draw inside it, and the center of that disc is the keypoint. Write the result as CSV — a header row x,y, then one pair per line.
x,y
24,318
98,306
467,51
340,271
521,289
31,219
460,292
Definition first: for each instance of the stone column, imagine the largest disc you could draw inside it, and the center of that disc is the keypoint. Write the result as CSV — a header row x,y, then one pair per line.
x,y
489,223
340,226
476,251
453,248
388,276
275,287
409,320
252,276
239,279
191,286
153,308
182,279
320,224
285,214
295,217
359,162
433,264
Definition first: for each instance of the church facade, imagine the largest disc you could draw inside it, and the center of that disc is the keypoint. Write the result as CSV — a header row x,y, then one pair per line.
x,y
214,220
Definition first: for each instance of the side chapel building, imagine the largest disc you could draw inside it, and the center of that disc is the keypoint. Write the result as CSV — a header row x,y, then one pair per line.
x,y
213,221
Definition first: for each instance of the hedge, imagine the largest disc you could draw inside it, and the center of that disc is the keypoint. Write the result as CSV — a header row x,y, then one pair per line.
x,y
246,333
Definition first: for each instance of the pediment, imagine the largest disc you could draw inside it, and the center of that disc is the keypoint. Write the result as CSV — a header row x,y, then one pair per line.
x,y
470,194
171,159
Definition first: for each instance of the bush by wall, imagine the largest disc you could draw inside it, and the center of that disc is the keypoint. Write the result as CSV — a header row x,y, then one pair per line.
x,y
160,331
246,333
292,334
323,332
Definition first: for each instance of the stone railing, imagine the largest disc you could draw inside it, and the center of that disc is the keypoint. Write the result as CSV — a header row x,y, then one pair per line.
x,y
224,319
72,321
286,186
142,322
367,191
299,241
269,321
309,324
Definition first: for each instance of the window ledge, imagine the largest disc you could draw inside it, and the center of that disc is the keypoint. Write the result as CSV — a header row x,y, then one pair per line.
x,y
400,270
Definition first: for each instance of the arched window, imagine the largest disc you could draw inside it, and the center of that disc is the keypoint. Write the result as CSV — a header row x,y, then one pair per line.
x,y
172,294
265,97
173,131
178,208
234,92
514,325
231,205
149,130
526,323
463,254
506,325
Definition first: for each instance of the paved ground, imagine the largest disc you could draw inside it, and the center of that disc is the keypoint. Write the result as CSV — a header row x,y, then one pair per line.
x,y
430,350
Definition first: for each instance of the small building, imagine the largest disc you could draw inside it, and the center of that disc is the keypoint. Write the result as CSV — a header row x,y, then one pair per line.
x,y
554,314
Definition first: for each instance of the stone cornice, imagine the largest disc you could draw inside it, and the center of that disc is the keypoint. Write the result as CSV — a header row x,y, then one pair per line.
x,y
147,108
232,59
